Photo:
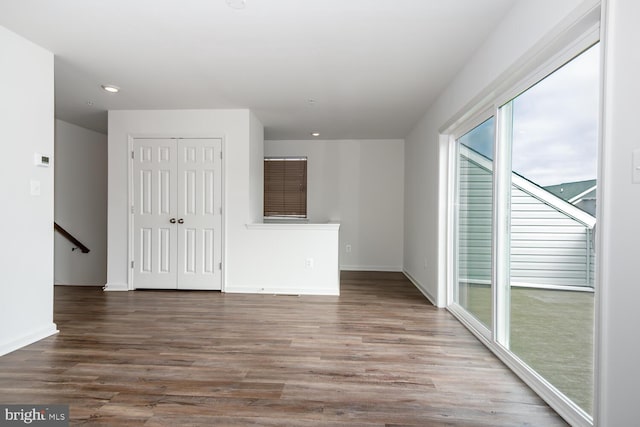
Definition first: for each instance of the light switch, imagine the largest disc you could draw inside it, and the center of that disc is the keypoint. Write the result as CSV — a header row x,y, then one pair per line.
x,y
636,166
35,187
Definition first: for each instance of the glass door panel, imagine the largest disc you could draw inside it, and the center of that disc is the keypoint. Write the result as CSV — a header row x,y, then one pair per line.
x,y
550,253
474,223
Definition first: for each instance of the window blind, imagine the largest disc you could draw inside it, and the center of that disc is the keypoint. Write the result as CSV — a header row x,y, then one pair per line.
x,y
285,187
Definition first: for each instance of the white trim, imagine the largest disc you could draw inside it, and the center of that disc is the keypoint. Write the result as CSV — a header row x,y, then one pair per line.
x,y
601,239
322,291
574,47
473,122
447,229
285,158
130,190
130,230
332,226
577,288
423,290
471,322
116,287
576,199
501,226
28,339
389,268
78,284
223,223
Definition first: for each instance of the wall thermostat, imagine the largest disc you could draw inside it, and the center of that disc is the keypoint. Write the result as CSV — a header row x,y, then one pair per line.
x,y
41,160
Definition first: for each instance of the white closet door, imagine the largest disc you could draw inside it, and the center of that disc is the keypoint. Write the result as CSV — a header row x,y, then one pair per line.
x,y
199,214
154,206
177,219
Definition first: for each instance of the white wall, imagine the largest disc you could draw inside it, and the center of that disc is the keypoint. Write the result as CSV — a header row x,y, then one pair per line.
x,y
524,26
360,184
80,204
231,125
293,259
248,267
256,166
26,255
619,203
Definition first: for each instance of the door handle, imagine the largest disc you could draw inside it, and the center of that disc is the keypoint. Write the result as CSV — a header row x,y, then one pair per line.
x,y
181,221
172,220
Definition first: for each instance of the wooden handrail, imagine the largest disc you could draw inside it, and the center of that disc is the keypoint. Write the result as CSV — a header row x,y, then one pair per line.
x,y
70,238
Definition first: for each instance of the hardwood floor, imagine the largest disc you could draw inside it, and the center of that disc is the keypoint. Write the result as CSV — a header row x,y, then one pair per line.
x,y
378,355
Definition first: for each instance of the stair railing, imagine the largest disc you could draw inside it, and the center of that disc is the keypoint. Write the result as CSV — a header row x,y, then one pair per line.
x,y
71,238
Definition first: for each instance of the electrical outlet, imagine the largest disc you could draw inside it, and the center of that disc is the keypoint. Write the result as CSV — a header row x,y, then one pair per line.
x,y
308,263
348,248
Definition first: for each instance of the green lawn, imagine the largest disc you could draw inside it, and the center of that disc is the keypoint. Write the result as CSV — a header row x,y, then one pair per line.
x,y
552,331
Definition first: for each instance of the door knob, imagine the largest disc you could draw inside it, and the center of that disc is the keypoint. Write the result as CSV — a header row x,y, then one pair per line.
x,y
172,220
181,221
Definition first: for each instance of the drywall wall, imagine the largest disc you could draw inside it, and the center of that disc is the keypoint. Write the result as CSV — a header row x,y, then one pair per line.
x,y
524,26
360,184
619,229
80,204
233,126
26,256
295,259
256,164
246,265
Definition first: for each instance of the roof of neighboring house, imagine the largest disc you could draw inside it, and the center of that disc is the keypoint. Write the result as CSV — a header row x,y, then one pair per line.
x,y
572,191
541,193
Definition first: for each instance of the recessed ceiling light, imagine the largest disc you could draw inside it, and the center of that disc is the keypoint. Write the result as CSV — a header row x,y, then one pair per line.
x,y
110,88
236,4
315,133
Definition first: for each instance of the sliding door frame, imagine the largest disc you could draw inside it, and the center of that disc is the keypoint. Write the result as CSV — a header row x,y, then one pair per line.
x,y
566,45
453,285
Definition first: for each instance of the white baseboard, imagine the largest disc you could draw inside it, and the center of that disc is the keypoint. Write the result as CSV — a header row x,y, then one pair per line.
x,y
281,291
79,284
115,287
421,288
25,340
392,268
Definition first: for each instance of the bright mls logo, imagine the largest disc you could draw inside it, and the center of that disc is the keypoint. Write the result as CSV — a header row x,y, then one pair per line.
x,y
34,415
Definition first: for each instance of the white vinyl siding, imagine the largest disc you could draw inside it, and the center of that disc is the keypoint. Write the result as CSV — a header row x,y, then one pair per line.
x,y
474,223
548,246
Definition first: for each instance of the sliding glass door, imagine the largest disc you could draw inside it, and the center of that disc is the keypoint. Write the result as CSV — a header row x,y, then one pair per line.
x,y
525,216
554,157
474,221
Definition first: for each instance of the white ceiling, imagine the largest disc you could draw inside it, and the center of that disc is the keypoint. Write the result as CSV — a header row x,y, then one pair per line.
x,y
372,66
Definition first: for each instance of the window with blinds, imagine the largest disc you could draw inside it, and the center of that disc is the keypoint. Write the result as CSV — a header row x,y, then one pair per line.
x,y
285,187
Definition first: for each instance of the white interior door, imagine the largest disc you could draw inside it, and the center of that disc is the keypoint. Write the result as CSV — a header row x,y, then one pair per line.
x,y
199,214
177,213
154,208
